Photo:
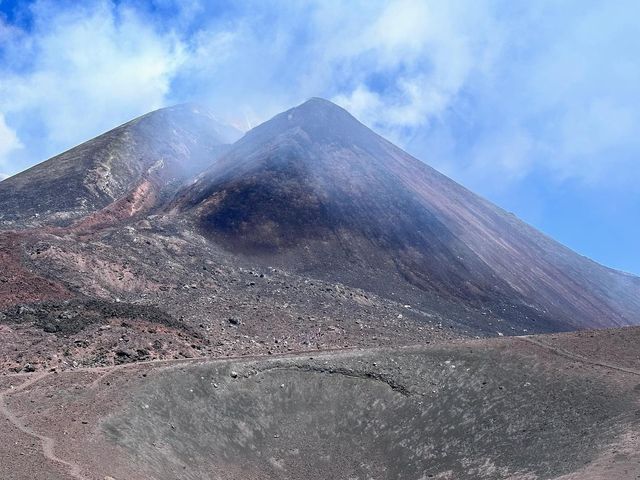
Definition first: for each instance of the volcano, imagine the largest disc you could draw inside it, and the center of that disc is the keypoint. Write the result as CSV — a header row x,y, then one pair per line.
x,y
309,232
153,153
316,192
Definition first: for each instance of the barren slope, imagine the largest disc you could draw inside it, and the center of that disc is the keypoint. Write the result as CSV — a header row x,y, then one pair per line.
x,y
152,154
316,191
309,233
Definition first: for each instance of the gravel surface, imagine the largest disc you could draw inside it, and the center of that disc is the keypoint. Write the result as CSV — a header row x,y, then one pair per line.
x,y
494,409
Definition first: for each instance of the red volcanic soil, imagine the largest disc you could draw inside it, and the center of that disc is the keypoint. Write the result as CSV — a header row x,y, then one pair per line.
x,y
18,284
140,200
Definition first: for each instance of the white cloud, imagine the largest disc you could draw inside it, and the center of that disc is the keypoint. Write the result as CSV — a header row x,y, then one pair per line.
x,y
591,137
510,151
265,59
432,49
551,91
83,71
9,143
577,92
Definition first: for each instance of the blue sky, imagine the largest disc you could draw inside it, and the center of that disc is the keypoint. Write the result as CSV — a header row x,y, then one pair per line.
x,y
534,105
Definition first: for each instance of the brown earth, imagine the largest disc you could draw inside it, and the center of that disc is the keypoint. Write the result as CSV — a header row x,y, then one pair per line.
x,y
19,284
217,305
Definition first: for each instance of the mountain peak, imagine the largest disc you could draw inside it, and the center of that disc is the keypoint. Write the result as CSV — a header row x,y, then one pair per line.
x,y
319,103
319,110
315,192
168,144
315,189
318,121
190,116
186,108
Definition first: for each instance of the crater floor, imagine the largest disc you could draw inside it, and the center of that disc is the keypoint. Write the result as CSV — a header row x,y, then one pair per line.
x,y
543,407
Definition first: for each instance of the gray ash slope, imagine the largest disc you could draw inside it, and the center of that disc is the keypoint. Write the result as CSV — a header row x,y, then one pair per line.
x,y
315,191
163,147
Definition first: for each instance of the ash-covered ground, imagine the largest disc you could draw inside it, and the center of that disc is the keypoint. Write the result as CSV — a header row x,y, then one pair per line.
x,y
520,408
144,292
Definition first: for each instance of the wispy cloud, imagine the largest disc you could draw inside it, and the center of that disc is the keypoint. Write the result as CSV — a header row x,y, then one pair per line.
x,y
426,53
79,71
9,143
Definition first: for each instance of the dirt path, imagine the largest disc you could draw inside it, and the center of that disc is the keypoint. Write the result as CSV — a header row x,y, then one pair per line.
x,y
574,356
47,443
109,370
